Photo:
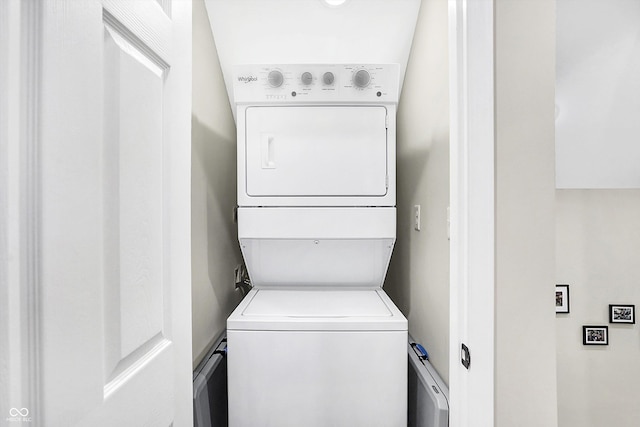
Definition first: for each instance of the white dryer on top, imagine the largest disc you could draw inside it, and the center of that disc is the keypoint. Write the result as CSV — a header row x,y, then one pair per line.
x,y
316,135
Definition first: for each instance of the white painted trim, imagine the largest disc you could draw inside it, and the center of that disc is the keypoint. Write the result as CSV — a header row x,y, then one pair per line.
x,y
7,31
472,251
179,233
19,216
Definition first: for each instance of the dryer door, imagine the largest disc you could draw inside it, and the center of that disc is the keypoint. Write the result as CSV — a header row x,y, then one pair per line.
x,y
316,151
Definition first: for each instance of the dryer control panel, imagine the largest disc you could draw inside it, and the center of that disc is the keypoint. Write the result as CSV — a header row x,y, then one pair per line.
x,y
317,83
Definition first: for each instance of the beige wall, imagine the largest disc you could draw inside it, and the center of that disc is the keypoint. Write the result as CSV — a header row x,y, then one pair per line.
x,y
418,278
214,246
597,89
597,247
525,389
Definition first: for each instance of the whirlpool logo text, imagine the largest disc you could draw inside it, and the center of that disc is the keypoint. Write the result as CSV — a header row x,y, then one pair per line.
x,y
247,79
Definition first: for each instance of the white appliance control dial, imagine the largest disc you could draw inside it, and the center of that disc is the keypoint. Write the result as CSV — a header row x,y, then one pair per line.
x,y
328,78
361,78
306,78
275,78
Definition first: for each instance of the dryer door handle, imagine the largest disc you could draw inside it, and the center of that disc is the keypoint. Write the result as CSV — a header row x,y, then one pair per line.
x,y
268,149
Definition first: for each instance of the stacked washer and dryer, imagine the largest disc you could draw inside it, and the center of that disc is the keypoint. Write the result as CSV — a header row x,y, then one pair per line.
x,y
317,342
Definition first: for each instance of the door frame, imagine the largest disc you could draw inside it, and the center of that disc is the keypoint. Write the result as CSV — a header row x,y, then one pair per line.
x,y
472,212
20,33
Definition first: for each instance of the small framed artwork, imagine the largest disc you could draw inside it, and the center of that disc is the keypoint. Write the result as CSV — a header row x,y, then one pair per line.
x,y
562,298
622,313
595,335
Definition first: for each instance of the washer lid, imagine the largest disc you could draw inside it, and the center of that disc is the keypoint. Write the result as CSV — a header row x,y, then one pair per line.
x,y
316,310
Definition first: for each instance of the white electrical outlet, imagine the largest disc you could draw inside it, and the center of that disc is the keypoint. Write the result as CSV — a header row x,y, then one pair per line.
x,y
416,217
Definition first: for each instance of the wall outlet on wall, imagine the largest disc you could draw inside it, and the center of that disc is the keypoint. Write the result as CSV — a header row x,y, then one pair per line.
x,y
416,217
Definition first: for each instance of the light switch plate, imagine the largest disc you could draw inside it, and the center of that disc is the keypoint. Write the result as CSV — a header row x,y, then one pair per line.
x,y
416,217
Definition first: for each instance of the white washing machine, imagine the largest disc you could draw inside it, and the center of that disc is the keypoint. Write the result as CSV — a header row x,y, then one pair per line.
x,y
317,342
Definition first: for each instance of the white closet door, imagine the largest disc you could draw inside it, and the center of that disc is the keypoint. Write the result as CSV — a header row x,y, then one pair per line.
x,y
114,253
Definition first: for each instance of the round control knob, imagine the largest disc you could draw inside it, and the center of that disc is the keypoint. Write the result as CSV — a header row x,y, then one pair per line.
x,y
275,78
306,78
328,78
361,78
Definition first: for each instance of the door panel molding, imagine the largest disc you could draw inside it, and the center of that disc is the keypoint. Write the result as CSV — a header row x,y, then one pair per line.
x,y
130,42
151,34
133,219
132,363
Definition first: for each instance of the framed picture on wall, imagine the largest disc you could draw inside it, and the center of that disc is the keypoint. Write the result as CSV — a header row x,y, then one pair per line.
x,y
595,335
622,313
562,298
